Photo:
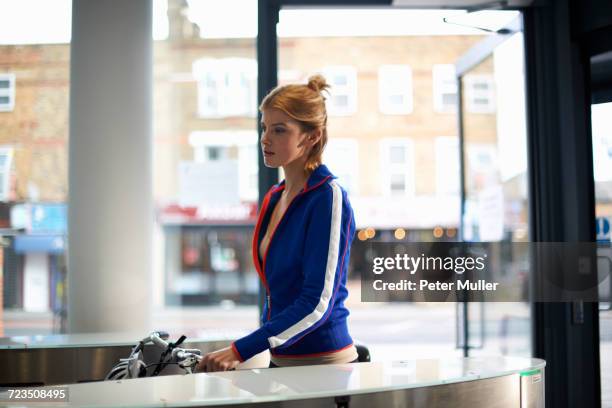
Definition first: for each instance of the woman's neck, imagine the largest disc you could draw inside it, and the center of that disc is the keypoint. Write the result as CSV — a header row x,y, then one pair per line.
x,y
295,177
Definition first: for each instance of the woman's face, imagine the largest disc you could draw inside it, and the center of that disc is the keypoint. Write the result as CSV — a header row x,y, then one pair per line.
x,y
282,140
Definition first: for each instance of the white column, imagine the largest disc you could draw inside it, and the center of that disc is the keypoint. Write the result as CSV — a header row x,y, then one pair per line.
x,y
110,214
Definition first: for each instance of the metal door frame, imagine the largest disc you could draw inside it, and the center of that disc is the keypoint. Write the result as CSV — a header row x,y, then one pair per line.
x,y
472,58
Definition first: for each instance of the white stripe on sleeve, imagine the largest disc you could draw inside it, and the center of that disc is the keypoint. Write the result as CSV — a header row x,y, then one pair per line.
x,y
330,272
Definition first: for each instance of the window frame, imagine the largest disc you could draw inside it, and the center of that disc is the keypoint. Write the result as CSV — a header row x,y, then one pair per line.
x,y
392,73
221,71
388,169
247,161
441,73
472,94
349,89
8,92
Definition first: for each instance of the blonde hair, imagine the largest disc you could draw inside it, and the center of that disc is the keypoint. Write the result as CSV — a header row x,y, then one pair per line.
x,y
305,104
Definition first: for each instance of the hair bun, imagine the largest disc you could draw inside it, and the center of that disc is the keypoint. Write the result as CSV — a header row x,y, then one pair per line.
x,y
317,83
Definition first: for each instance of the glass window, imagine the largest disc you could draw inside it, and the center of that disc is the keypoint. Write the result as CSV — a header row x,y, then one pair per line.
x,y
602,172
34,92
395,89
496,199
480,93
397,159
397,154
205,165
234,147
7,92
444,88
602,143
395,197
367,40
226,87
343,98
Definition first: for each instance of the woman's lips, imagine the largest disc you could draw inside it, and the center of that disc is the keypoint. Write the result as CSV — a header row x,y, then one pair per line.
x,y
267,153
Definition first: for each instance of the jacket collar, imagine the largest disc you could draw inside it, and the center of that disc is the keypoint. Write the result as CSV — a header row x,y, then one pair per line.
x,y
317,177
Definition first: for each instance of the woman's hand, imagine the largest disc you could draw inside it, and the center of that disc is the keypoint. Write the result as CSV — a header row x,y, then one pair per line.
x,y
220,360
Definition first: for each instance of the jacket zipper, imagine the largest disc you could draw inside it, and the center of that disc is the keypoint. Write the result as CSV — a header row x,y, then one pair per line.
x,y
268,249
256,256
302,191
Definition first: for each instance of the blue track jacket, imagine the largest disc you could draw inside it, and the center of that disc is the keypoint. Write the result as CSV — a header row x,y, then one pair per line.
x,y
304,272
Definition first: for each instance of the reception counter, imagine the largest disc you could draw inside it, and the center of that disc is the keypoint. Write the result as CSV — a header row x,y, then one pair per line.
x,y
457,382
27,361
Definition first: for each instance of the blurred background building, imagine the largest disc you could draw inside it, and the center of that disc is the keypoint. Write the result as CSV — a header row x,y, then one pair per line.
x,y
392,126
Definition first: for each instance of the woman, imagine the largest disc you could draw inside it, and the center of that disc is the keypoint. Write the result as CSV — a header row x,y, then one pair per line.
x,y
301,243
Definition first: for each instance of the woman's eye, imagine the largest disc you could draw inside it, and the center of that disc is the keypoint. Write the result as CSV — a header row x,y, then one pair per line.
x,y
279,130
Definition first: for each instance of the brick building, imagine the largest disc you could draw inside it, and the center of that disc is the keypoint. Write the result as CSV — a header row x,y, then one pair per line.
x,y
393,142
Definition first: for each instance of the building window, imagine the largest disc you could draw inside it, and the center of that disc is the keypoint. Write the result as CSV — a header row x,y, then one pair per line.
x,y
444,88
210,153
395,89
6,158
341,155
480,93
397,159
226,87
239,147
343,93
447,165
7,92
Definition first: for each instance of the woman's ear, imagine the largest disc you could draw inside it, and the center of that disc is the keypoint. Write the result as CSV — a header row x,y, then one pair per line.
x,y
314,136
